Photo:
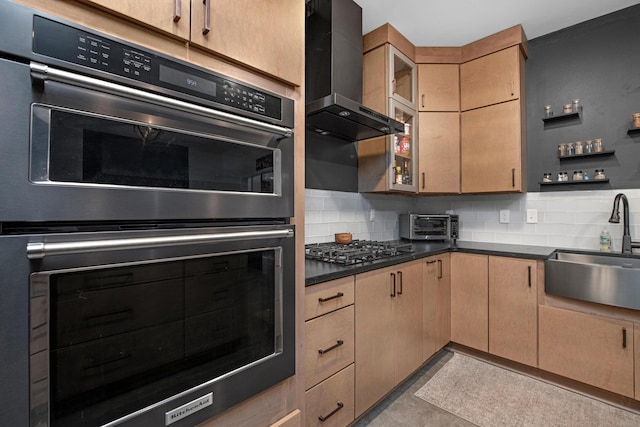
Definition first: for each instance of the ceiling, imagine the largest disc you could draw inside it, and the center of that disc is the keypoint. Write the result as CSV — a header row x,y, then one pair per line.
x,y
459,22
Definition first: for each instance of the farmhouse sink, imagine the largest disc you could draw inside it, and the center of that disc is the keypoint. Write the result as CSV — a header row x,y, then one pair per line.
x,y
611,279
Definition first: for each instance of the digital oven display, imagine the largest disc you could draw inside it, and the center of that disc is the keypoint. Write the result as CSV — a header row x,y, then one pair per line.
x,y
186,80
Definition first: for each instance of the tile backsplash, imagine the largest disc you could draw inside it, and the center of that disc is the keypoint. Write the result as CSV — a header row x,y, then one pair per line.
x,y
566,219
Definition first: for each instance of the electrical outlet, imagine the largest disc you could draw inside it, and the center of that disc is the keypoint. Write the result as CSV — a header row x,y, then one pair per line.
x,y
372,215
505,216
532,216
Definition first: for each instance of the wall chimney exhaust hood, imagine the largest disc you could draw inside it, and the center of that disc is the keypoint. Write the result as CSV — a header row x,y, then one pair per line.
x,y
333,74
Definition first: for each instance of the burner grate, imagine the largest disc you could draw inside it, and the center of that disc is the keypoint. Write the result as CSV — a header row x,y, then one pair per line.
x,y
356,252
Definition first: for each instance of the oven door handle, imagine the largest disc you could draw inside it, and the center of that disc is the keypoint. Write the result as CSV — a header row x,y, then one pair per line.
x,y
38,250
45,72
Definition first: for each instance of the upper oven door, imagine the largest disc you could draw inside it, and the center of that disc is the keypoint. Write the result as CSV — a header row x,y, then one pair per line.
x,y
99,151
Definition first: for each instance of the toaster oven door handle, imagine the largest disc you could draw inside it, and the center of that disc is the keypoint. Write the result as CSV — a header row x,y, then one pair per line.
x,y
44,72
38,250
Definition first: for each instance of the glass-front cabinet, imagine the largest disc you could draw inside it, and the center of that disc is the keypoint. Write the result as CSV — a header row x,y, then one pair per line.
x,y
403,149
402,78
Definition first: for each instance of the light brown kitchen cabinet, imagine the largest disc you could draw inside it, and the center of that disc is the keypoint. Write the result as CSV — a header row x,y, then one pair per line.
x,y
436,297
439,153
513,309
168,16
636,339
470,300
592,349
491,79
402,77
265,36
438,87
388,315
492,149
329,352
331,403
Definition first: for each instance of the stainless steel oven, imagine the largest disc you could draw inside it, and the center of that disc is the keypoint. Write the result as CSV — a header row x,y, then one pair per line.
x,y
147,256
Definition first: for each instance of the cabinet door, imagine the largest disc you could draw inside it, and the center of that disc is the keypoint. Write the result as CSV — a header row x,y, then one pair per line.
x,y
407,308
404,160
436,326
439,87
375,373
169,16
491,79
513,303
592,349
265,35
491,149
439,153
402,78
470,300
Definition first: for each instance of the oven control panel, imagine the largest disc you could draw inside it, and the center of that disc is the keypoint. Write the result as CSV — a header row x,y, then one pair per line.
x,y
77,46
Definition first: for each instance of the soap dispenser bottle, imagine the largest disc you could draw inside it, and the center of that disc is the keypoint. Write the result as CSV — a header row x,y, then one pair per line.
x,y
605,241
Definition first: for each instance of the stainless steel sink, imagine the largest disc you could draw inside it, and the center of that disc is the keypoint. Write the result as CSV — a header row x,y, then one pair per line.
x,y
611,279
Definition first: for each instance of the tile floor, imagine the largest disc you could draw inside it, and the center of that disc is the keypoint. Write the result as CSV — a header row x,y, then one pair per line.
x,y
402,408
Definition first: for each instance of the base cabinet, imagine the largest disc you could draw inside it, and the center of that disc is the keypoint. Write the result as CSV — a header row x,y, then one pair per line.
x,y
436,297
592,349
470,300
388,330
513,305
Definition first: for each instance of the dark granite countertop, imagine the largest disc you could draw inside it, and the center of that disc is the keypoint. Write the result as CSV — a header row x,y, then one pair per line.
x,y
318,271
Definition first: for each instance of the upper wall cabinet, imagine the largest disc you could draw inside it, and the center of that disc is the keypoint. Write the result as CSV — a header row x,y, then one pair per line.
x,y
265,36
491,79
438,87
402,78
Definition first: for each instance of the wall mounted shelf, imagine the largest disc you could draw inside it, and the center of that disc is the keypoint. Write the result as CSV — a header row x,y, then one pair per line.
x,y
634,131
588,181
579,156
562,117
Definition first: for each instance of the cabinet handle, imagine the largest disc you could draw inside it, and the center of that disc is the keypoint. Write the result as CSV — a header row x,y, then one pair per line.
x,y
422,99
393,285
326,417
400,280
178,12
513,177
529,268
439,269
431,262
327,350
423,180
624,337
513,91
207,17
338,295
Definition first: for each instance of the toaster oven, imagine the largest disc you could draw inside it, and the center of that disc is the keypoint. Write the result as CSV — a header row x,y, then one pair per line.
x,y
429,227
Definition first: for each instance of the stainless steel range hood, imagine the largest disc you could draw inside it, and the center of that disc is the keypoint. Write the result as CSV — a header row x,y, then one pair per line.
x,y
334,74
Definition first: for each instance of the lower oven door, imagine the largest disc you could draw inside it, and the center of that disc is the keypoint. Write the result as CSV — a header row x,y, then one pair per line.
x,y
157,328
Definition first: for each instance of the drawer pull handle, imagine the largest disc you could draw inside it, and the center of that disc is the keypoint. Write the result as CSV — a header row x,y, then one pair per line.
x,y
177,14
327,350
400,279
393,285
423,182
326,417
529,267
624,337
338,295
207,17
439,269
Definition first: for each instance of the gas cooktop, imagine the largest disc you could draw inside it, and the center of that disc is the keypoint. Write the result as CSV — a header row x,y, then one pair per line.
x,y
356,252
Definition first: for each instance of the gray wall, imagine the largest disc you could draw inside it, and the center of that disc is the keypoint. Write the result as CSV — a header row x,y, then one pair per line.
x,y
597,61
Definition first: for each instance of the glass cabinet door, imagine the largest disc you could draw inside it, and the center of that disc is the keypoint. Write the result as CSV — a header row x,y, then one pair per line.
x,y
404,149
402,78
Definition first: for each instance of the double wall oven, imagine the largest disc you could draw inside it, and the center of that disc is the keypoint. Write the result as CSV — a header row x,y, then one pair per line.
x,y
147,253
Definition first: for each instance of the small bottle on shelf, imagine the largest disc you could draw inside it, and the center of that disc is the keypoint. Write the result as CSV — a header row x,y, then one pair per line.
x,y
605,240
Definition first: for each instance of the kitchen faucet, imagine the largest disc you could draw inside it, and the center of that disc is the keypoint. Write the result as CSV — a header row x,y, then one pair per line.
x,y
627,244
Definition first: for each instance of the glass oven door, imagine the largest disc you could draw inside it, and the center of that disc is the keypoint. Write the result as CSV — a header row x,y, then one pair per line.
x,y
204,316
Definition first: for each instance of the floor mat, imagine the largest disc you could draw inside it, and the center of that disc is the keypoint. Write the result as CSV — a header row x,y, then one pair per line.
x,y
489,396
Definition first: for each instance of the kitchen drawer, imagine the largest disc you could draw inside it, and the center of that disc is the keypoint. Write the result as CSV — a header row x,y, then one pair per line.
x,y
332,333
334,394
328,296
